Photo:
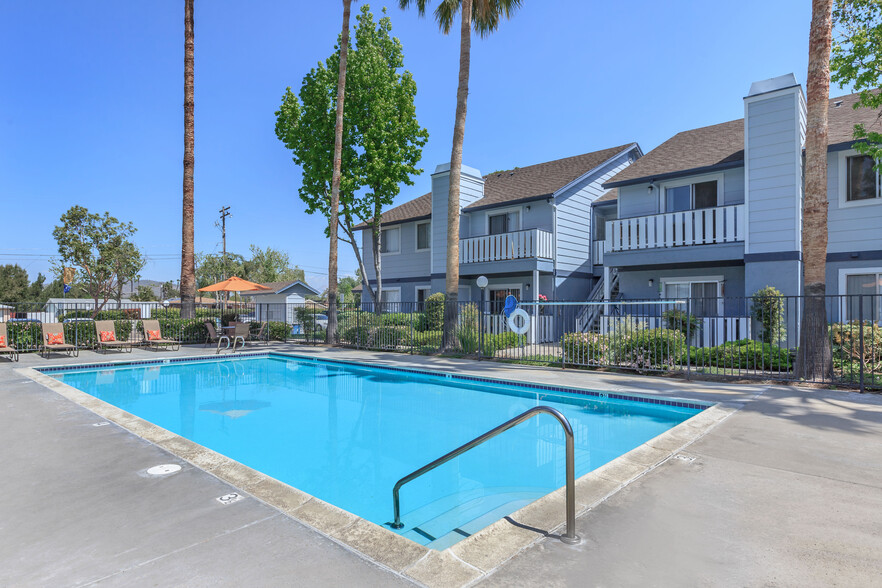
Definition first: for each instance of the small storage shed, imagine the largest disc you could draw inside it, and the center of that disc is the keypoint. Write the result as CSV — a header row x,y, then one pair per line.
x,y
280,302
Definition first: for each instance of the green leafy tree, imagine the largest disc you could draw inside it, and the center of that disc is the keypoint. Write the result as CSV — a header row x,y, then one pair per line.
x,y
767,307
168,290
484,16
13,284
212,268
144,294
129,263
382,139
345,286
97,246
856,61
271,265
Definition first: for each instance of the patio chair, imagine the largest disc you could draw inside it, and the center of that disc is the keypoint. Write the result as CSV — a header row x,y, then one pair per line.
x,y
153,336
241,331
5,345
53,340
212,336
262,334
107,339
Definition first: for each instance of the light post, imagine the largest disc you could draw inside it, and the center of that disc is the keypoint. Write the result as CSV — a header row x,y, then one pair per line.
x,y
482,284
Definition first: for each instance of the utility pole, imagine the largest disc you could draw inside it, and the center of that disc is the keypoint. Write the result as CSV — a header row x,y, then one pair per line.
x,y
224,213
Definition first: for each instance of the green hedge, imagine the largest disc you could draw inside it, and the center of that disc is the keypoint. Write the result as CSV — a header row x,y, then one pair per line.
x,y
743,354
499,341
428,341
103,315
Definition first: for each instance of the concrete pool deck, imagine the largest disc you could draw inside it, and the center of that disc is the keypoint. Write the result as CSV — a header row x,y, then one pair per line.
x,y
786,491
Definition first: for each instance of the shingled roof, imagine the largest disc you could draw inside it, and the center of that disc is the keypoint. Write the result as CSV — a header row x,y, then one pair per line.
x,y
513,185
722,146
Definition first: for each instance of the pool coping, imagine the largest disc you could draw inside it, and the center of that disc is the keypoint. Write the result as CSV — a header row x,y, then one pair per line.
x,y
464,563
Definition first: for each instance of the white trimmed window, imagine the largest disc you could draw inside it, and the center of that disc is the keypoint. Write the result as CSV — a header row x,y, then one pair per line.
x,y
705,294
423,236
390,240
504,222
866,282
861,180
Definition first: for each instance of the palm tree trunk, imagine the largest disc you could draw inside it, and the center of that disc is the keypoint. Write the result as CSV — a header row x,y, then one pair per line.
x,y
462,95
335,178
188,261
814,359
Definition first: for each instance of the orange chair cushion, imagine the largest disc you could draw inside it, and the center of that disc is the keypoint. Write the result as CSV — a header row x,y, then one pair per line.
x,y
153,335
2,341
107,336
55,339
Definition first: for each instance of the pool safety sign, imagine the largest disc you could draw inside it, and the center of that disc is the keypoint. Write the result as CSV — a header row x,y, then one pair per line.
x,y
517,318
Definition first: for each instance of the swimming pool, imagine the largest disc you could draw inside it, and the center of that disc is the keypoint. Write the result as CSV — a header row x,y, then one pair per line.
x,y
346,433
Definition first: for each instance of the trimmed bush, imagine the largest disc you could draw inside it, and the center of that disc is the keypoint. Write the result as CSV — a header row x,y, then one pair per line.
x,y
276,330
767,307
435,311
743,354
387,337
356,335
499,341
468,328
653,349
428,341
682,321
585,348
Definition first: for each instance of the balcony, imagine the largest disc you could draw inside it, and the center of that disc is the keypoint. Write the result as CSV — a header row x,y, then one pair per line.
x,y
527,244
704,226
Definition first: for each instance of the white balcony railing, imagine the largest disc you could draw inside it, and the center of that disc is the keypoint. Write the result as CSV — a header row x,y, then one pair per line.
x,y
528,244
704,226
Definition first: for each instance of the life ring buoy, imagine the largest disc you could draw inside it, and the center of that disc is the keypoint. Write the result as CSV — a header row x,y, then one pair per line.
x,y
525,321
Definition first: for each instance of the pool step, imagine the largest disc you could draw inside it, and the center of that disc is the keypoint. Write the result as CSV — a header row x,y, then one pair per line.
x,y
455,517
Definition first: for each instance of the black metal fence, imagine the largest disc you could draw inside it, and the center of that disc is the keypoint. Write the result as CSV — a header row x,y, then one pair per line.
x,y
740,337
267,321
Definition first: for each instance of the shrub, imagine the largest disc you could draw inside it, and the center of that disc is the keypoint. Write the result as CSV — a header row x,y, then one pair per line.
x,y
276,330
417,320
185,330
25,336
387,337
743,354
585,348
767,307
845,341
435,311
680,320
428,341
652,349
468,328
356,335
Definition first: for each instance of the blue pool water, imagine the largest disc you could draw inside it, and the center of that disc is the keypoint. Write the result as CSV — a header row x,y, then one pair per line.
x,y
347,432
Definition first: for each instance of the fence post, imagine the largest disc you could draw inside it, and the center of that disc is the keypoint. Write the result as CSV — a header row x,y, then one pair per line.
x,y
411,327
861,338
688,334
358,327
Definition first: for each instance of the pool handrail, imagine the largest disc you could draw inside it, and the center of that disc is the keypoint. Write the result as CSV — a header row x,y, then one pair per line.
x,y
570,536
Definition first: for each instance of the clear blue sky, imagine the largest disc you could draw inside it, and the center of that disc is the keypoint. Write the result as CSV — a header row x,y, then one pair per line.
x,y
91,100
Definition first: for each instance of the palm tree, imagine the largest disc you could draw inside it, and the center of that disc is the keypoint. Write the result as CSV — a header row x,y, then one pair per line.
x,y
813,359
484,14
335,177
188,260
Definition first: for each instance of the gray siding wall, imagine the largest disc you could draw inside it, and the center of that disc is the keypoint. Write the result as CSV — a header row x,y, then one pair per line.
x,y
408,262
539,216
636,200
850,228
634,285
471,190
773,155
574,217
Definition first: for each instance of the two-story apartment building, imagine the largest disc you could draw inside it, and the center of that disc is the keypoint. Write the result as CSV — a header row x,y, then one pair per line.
x,y
717,211
527,229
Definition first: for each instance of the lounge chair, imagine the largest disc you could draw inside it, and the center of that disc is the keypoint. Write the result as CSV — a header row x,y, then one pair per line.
x,y
107,339
153,336
212,336
5,344
53,340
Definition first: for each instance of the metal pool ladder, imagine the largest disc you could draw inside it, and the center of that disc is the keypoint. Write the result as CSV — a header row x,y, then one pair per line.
x,y
570,535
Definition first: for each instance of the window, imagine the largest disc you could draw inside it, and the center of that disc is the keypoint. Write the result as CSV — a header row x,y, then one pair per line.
x,y
691,196
869,284
421,294
862,181
390,240
505,222
391,299
498,296
423,234
704,295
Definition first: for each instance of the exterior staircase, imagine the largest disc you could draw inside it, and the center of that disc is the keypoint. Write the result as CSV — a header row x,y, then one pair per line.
x,y
588,319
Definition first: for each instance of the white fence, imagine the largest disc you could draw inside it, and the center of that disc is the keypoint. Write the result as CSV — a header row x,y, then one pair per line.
x,y
529,244
704,226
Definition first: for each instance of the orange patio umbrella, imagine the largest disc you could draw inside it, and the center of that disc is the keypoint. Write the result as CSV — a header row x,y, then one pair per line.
x,y
234,284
